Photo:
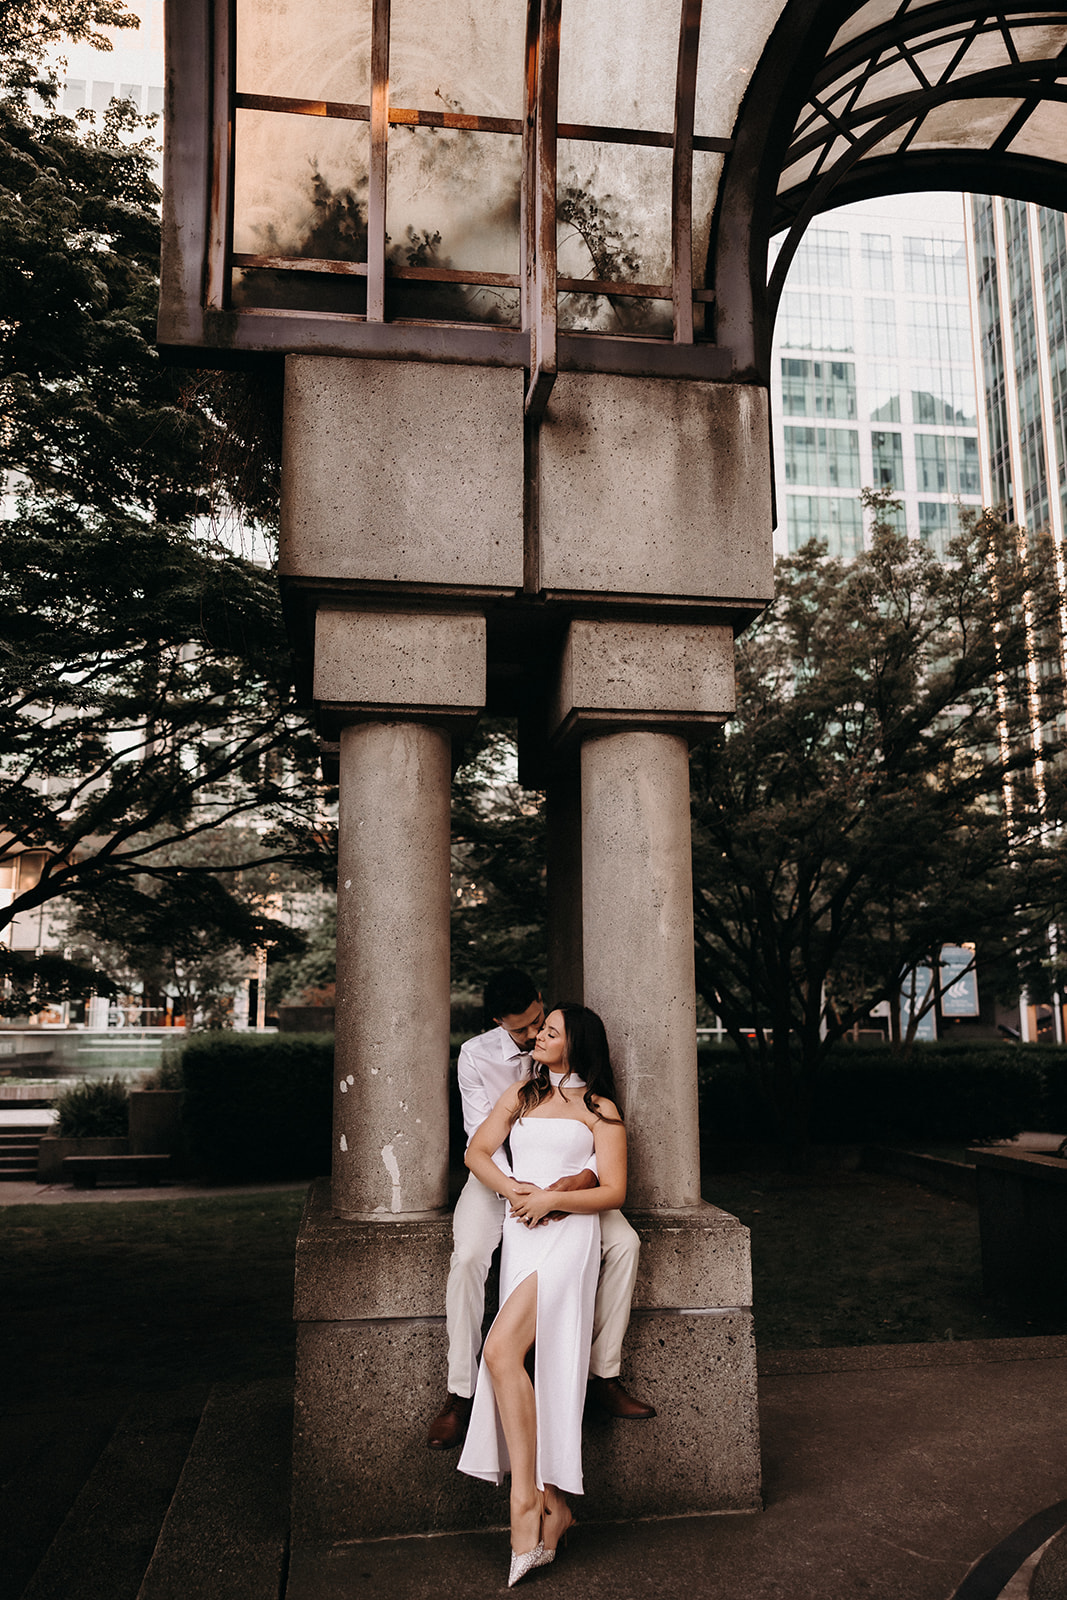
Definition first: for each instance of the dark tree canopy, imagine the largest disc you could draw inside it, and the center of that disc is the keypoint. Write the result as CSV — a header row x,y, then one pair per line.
x,y
146,687
879,791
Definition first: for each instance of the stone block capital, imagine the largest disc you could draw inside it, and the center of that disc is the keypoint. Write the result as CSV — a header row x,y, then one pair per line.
x,y
660,676
398,665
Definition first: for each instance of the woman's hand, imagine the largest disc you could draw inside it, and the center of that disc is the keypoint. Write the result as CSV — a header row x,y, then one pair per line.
x,y
529,1204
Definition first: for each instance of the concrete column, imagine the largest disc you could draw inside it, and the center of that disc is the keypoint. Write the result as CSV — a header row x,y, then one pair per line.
x,y
390,1155
563,818
637,899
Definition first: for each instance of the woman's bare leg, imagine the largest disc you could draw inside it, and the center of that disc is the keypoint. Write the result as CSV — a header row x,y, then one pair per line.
x,y
558,1516
509,1339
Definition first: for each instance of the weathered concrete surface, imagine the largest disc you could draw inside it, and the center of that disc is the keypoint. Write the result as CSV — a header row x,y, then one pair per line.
x,y
380,662
612,672
365,1392
888,1481
656,487
371,1369
390,1063
688,1258
351,1271
637,898
225,1529
395,472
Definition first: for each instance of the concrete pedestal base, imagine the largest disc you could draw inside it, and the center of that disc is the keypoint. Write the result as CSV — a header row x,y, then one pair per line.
x,y
371,1364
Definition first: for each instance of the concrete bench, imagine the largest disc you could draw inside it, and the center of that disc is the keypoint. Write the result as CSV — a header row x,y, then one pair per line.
x,y
83,1171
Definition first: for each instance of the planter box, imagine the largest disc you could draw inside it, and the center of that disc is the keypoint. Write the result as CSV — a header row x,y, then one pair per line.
x,y
1022,1218
53,1151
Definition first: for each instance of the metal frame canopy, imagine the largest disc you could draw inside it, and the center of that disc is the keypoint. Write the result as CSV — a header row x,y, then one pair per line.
x,y
322,194
893,95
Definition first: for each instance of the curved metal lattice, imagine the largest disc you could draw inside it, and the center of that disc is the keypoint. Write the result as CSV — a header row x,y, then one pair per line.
x,y
923,86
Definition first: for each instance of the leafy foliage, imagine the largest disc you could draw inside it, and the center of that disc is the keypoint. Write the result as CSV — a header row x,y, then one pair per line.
x,y
146,694
96,1108
498,872
879,792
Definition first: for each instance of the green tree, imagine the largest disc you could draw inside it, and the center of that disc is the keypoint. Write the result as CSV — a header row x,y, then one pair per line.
x,y
498,865
188,937
879,791
146,688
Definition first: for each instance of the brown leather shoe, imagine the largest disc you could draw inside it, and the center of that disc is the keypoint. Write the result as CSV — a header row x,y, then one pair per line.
x,y
609,1396
449,1427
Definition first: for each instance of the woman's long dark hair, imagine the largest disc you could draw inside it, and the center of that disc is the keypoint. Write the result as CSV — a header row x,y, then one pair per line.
x,y
586,1055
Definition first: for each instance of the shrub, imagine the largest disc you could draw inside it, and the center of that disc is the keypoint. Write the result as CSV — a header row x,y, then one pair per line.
x,y
258,1108
944,1092
96,1108
168,1075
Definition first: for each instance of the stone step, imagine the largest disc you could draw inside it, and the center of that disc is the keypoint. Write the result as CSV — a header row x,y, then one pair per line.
x,y
18,1153
106,1540
47,1454
226,1532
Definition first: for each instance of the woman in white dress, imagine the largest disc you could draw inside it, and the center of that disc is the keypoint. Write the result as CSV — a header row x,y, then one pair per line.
x,y
559,1120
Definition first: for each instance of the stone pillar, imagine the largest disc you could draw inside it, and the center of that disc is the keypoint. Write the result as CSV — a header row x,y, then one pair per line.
x,y
631,695
563,826
406,676
638,946
391,1088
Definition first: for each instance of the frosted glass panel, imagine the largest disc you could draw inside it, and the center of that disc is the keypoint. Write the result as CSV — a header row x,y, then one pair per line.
x,y
308,49
618,68
613,207
454,199
458,55
707,170
300,186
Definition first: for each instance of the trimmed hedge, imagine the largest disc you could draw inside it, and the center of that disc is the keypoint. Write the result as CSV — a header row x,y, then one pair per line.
x,y
261,1107
258,1107
866,1095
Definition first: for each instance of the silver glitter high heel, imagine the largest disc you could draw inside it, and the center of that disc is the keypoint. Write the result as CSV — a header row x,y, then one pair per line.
x,y
521,1565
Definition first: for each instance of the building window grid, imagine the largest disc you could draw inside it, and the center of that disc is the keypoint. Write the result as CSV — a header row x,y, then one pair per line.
x,y
946,397
822,260
836,519
822,457
887,454
820,389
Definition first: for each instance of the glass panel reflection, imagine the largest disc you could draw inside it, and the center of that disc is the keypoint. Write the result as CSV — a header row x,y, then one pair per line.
x,y
300,186
453,199
613,212
458,55
615,72
970,124
324,55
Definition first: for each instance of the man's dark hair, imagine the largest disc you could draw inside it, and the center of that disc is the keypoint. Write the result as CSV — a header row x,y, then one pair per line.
x,y
509,993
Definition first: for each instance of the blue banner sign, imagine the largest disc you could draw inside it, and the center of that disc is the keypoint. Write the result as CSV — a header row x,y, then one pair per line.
x,y
914,993
959,987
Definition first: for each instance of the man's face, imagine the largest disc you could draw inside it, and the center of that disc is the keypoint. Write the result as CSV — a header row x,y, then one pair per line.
x,y
524,1026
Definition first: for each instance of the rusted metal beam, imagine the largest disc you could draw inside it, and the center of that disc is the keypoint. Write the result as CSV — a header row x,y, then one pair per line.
x,y
379,161
682,174
220,228
636,291
543,299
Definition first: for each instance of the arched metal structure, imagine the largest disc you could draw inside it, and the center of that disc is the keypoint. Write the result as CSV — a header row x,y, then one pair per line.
x,y
853,101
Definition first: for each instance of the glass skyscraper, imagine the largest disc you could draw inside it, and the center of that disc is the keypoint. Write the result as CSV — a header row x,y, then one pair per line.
x,y
873,374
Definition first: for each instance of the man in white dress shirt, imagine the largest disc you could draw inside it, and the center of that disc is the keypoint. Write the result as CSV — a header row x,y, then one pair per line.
x,y
488,1065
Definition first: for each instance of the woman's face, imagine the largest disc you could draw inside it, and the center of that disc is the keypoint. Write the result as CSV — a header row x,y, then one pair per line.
x,y
551,1046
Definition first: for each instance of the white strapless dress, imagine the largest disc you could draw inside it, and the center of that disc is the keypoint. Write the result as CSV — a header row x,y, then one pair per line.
x,y
566,1258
